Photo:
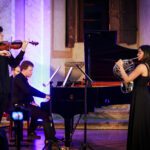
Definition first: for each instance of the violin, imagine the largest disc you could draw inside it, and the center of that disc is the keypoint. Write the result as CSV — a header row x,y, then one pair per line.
x,y
5,45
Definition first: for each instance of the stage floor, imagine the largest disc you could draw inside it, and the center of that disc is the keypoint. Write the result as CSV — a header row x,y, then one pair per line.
x,y
97,139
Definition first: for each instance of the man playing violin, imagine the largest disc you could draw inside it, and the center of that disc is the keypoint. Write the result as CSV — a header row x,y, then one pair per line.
x,y
7,59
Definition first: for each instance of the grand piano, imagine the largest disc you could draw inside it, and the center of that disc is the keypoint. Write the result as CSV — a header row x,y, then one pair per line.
x,y
101,52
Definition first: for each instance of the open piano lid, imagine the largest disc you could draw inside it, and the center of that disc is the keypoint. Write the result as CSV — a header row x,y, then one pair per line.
x,y
101,53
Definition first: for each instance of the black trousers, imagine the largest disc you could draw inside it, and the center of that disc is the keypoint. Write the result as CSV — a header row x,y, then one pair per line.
x,y
3,140
48,125
3,103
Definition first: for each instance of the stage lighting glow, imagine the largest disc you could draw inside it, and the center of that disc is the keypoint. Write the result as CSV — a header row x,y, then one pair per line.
x,y
17,115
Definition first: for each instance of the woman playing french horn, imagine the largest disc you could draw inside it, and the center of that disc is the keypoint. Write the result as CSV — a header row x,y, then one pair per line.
x,y
139,119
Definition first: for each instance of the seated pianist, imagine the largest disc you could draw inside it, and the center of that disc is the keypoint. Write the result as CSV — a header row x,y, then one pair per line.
x,y
23,94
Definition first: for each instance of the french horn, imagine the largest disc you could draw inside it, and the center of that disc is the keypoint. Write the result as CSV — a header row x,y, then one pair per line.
x,y
128,65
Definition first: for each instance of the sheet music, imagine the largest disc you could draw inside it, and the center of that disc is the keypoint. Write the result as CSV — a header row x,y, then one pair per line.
x,y
66,79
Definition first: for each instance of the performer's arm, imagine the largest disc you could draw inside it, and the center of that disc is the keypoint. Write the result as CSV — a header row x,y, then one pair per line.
x,y
14,62
27,89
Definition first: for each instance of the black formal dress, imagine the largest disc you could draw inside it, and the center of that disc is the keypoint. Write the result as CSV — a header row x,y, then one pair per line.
x,y
9,101
23,95
139,119
4,78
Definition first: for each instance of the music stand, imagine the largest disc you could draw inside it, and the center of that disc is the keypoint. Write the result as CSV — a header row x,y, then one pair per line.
x,y
88,82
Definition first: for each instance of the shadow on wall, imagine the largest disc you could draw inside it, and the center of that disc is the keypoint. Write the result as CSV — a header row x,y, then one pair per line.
x,y
76,74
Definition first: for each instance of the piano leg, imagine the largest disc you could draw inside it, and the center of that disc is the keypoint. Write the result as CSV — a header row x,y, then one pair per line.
x,y
68,130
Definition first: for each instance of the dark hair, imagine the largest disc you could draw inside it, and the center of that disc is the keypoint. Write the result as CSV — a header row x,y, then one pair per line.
x,y
146,50
25,64
1,29
13,68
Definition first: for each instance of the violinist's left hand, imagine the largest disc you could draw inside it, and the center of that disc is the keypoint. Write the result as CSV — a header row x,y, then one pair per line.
x,y
24,45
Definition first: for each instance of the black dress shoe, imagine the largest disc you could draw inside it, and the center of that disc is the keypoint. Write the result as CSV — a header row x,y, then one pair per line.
x,y
33,136
60,139
51,145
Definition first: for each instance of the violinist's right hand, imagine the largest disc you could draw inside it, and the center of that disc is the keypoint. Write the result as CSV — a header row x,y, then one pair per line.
x,y
5,53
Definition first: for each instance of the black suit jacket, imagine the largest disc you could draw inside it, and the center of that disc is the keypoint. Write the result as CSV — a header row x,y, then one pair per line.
x,y
23,92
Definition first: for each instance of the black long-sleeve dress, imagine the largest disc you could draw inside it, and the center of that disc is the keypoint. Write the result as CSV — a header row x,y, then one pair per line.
x,y
139,120
4,78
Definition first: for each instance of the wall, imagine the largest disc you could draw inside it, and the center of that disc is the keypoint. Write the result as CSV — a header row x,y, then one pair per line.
x,y
30,20
44,21
144,22
60,55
